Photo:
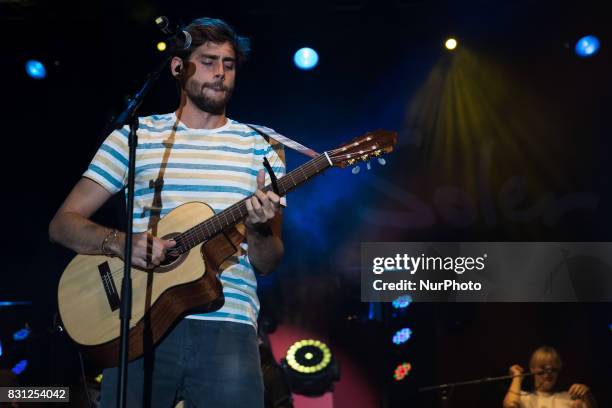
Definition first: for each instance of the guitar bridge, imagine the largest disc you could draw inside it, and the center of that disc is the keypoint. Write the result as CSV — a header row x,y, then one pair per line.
x,y
109,286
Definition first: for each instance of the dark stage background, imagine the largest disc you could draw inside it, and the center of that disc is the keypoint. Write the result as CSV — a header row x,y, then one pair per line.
x,y
506,139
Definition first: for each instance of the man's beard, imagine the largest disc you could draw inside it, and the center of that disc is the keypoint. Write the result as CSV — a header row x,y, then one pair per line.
x,y
196,92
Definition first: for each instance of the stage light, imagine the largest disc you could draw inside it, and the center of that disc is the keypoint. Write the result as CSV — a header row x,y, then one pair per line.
x,y
587,46
402,302
402,336
161,46
301,356
21,334
20,367
35,69
371,311
450,44
306,58
310,367
20,303
0,348
402,371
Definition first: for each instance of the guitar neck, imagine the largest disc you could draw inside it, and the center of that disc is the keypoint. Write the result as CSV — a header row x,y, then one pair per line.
x,y
238,211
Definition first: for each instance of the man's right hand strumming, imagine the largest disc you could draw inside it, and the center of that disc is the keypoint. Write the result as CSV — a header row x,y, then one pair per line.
x,y
71,226
147,251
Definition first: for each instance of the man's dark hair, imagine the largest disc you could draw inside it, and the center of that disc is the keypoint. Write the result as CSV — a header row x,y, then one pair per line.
x,y
207,29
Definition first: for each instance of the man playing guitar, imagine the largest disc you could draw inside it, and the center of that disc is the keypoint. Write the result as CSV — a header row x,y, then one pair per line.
x,y
194,154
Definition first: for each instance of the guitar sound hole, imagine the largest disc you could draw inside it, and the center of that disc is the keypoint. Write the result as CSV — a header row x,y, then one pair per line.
x,y
170,259
170,263
173,259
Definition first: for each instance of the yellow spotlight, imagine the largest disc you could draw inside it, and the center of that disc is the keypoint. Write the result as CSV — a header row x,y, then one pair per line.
x,y
450,44
161,46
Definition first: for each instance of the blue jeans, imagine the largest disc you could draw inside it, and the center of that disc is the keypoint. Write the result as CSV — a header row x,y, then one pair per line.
x,y
208,364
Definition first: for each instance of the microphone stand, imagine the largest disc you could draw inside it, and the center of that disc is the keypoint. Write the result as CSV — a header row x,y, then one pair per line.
x,y
447,389
129,117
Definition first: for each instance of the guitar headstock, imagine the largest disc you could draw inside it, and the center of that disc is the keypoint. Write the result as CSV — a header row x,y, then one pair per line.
x,y
363,148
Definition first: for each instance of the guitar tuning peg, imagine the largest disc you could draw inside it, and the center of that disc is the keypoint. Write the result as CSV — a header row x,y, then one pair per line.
x,y
368,166
356,169
382,161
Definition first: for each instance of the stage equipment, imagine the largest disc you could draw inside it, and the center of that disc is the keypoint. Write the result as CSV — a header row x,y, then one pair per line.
x,y
35,69
402,302
402,371
450,44
311,368
306,58
446,390
587,46
402,336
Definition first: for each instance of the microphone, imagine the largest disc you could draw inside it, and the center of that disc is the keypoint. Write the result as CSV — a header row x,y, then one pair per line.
x,y
178,39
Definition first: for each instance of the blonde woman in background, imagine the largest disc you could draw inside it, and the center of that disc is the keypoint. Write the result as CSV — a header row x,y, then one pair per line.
x,y
545,364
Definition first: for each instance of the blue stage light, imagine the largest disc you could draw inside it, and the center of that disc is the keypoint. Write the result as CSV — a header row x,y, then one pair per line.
x,y
20,303
0,348
20,367
21,334
402,336
402,302
587,46
306,58
36,69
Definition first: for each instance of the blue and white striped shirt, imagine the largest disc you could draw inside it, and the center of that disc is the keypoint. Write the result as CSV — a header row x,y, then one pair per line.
x,y
216,166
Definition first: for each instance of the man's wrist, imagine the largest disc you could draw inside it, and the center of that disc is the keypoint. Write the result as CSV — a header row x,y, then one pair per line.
x,y
263,228
114,243
105,247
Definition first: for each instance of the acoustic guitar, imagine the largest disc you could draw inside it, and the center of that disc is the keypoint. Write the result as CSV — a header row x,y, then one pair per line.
x,y
187,281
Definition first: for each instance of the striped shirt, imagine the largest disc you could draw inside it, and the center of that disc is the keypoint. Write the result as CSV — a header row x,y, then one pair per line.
x,y
215,166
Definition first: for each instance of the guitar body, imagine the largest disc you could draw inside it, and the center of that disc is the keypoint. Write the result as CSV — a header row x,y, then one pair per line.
x,y
89,288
